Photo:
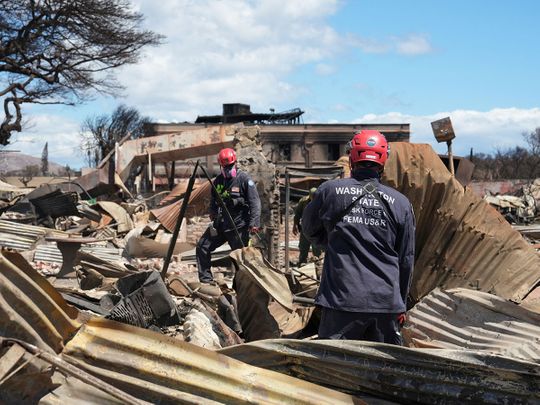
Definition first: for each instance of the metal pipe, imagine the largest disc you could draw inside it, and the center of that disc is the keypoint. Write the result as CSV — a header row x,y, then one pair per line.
x,y
450,157
303,300
181,215
287,198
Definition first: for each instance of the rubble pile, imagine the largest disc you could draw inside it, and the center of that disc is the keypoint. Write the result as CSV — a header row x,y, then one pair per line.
x,y
99,246
87,311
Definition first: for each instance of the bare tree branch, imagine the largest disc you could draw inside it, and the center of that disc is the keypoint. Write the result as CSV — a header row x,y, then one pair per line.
x,y
100,133
60,51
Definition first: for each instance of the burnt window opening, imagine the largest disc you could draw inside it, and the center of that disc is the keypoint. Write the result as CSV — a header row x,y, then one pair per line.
x,y
334,151
285,152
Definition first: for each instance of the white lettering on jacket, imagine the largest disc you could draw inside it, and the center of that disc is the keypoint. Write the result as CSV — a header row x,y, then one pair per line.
x,y
358,191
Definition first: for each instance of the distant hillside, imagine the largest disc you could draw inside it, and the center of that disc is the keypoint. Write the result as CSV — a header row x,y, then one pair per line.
x,y
13,161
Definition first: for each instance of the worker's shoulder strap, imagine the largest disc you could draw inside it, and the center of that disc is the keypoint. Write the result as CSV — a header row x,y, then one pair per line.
x,y
369,188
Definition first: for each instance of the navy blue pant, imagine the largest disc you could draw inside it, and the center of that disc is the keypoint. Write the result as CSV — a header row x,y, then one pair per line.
x,y
208,243
374,327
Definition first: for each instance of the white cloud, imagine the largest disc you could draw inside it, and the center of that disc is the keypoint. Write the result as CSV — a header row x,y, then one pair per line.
x,y
239,51
409,45
369,45
323,69
413,44
227,51
484,131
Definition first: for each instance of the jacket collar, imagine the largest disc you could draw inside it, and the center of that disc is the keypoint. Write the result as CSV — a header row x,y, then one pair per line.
x,y
366,174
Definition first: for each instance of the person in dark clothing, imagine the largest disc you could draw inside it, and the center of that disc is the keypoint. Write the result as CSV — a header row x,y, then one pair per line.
x,y
303,244
368,230
239,193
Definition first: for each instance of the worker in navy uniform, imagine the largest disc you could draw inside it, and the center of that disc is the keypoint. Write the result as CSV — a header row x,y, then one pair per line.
x,y
239,193
368,231
304,244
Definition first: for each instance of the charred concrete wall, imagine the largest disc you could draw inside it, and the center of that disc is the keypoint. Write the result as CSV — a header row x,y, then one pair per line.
x,y
252,160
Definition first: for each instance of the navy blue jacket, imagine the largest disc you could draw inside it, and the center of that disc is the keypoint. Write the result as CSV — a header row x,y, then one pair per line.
x,y
242,200
369,255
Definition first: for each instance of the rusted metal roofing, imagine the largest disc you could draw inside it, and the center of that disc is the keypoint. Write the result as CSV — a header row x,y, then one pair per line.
x,y
157,368
424,376
198,205
180,189
177,191
145,364
56,203
30,308
461,241
251,261
475,320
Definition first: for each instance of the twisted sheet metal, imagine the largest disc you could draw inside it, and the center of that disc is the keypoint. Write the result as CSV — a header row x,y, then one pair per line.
x,y
120,215
461,241
468,319
156,368
199,201
265,301
425,376
251,261
145,364
30,308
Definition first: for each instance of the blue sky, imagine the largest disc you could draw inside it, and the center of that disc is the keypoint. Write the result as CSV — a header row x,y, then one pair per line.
x,y
340,61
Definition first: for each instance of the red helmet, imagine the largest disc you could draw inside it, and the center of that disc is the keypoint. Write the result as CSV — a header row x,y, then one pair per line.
x,y
226,157
369,145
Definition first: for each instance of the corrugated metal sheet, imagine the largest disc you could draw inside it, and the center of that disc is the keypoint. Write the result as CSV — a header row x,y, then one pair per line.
x,y
198,205
265,301
251,261
22,237
56,203
145,364
51,254
180,190
468,319
423,376
263,318
460,240
30,308
160,369
532,302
